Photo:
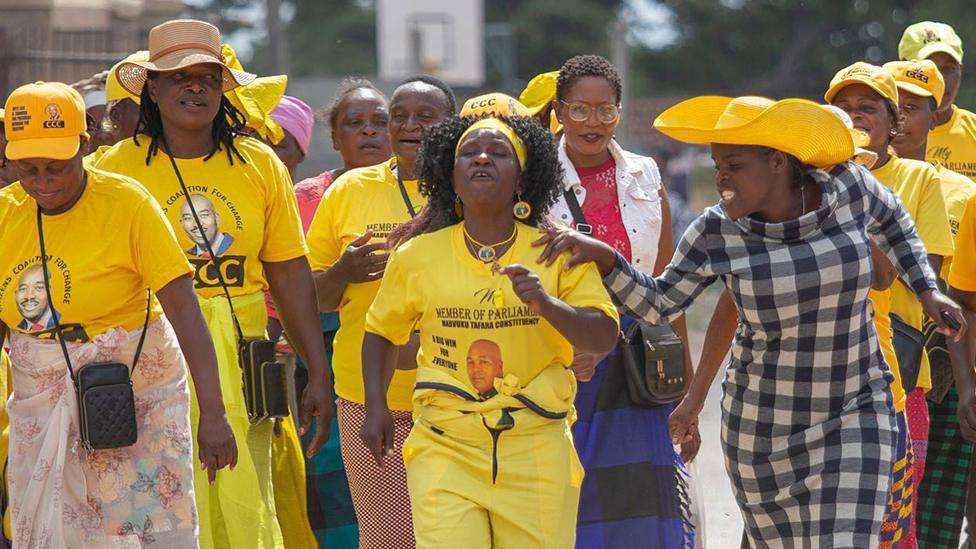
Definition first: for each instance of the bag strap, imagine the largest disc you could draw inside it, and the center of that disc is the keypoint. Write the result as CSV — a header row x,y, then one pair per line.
x,y
582,226
206,242
54,313
403,193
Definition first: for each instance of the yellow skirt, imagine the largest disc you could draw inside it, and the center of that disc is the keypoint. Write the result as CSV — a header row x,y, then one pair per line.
x,y
288,477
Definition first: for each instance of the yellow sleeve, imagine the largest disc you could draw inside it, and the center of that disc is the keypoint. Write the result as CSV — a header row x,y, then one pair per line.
x,y
394,312
324,247
155,250
283,235
933,220
582,286
962,273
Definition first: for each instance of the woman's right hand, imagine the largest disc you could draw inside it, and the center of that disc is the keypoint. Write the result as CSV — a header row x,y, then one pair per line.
x,y
683,424
218,447
363,261
377,433
583,249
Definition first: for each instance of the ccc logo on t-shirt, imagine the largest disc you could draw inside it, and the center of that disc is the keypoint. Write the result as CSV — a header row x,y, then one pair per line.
x,y
231,269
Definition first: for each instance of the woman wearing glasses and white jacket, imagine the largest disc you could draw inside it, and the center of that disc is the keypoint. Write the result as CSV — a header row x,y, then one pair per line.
x,y
630,495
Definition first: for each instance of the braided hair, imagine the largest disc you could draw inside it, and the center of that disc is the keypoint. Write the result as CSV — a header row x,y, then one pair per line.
x,y
541,178
227,125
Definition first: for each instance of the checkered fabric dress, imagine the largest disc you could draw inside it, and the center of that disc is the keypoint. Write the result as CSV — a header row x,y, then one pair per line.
x,y
808,425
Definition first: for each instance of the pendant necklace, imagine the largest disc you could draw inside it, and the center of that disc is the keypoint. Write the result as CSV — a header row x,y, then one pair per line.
x,y
487,254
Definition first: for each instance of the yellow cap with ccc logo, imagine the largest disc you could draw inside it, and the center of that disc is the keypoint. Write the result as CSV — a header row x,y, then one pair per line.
x,y
872,76
44,120
921,78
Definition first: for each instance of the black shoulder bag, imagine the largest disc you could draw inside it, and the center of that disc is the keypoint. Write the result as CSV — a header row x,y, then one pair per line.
x,y
106,403
653,356
263,377
909,344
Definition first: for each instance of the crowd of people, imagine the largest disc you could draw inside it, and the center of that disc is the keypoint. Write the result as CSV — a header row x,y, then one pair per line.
x,y
464,296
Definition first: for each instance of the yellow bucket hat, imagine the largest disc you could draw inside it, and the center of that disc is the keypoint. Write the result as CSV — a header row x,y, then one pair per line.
x,y
257,99
114,91
872,76
44,120
921,78
921,40
539,92
494,104
795,126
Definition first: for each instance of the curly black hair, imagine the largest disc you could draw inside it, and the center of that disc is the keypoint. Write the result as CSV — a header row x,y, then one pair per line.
x,y
348,85
587,65
449,96
541,179
228,124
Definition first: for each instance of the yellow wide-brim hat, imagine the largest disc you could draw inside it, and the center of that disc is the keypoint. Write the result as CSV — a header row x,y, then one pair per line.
x,y
799,127
178,44
539,92
113,88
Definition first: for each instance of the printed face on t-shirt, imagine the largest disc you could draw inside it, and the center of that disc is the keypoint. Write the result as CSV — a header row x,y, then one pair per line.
x,y
31,297
209,219
484,364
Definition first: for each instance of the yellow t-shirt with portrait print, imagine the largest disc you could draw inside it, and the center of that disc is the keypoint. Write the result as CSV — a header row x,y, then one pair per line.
x,y
434,283
919,188
102,255
953,144
957,189
248,210
962,274
360,200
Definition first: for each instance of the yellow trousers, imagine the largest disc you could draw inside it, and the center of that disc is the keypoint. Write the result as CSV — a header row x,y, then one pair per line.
x,y
288,478
475,487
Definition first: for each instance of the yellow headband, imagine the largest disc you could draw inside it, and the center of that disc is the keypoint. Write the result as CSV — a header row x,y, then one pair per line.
x,y
501,127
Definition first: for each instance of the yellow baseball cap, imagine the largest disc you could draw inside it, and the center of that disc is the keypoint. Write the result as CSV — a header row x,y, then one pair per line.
x,y
921,40
44,120
114,90
497,104
539,92
920,78
872,76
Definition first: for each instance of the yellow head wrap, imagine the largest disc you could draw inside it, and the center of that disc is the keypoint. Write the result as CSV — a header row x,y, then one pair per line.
x,y
502,128
257,99
539,92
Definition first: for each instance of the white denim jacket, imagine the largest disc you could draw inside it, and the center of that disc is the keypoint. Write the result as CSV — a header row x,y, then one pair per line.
x,y
638,190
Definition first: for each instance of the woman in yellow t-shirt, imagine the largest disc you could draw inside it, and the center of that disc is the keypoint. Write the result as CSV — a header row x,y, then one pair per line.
x,y
241,232
83,299
347,239
490,460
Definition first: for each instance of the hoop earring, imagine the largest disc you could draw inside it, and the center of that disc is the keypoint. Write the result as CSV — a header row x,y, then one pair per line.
x,y
522,209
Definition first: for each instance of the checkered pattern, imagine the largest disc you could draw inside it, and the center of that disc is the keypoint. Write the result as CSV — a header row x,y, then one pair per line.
x,y
808,422
379,495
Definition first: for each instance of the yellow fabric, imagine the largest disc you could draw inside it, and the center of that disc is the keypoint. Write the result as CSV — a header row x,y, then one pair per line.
x,y
91,159
114,91
239,509
494,104
539,92
257,99
953,144
872,76
882,324
256,211
360,200
44,120
921,40
432,282
962,274
957,189
105,251
918,186
795,126
921,78
501,127
288,478
6,388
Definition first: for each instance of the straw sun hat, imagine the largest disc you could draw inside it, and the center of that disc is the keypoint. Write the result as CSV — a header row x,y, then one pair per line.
x,y
795,126
178,44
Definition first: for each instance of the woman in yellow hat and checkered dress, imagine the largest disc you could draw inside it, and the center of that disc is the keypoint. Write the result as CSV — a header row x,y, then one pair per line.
x,y
808,424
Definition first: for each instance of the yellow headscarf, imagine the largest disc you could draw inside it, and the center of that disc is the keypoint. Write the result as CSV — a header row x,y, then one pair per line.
x,y
257,99
501,127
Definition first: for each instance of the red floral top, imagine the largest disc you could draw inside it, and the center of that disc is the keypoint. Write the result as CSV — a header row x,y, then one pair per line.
x,y
602,206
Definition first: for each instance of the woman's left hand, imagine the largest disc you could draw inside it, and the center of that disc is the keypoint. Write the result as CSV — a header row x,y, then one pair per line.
x,y
527,287
218,447
316,402
935,305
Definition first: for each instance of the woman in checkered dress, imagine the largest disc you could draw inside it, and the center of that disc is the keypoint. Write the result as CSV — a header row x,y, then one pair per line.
x,y
808,424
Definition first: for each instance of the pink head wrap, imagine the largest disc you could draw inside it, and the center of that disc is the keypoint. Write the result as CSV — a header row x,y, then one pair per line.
x,y
296,117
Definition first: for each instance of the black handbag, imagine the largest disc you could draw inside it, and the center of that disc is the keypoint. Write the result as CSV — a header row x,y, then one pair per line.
x,y
908,342
106,402
263,377
653,355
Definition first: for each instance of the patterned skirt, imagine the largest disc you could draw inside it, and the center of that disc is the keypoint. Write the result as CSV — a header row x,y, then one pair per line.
x,y
901,501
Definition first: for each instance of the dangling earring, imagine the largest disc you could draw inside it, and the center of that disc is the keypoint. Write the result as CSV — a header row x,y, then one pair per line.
x,y
522,209
458,209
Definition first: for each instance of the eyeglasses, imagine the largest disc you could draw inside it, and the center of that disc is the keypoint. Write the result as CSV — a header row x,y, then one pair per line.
x,y
606,113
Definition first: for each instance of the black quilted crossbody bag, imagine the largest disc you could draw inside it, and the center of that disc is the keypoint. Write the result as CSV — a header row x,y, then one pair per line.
x,y
106,402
